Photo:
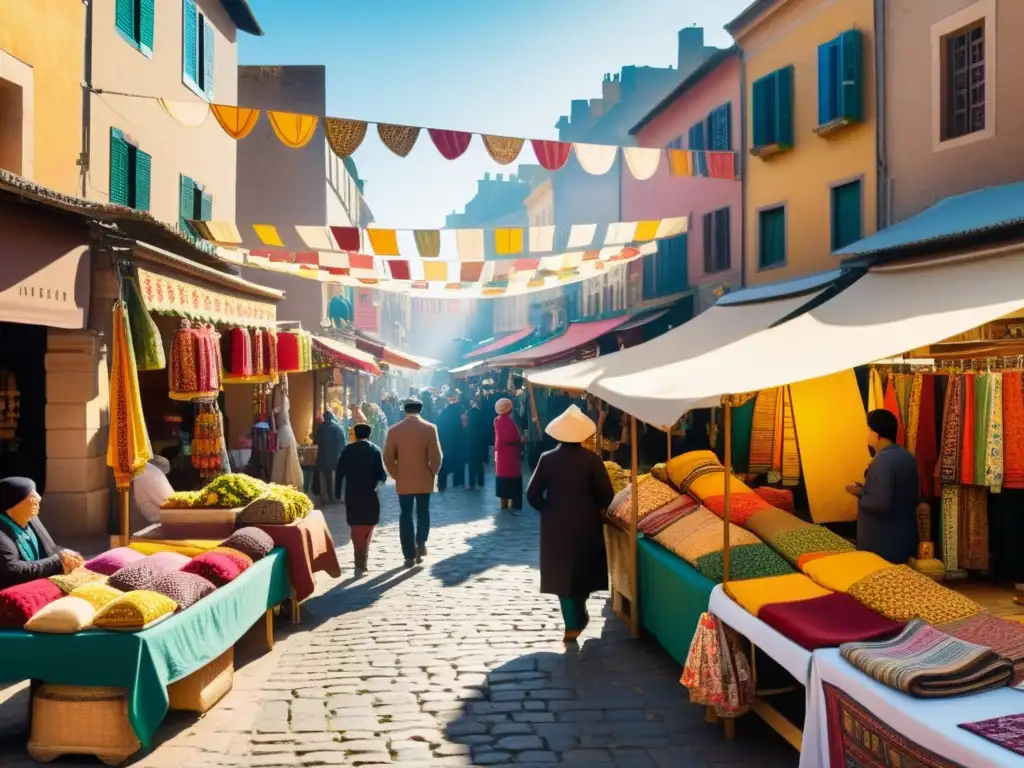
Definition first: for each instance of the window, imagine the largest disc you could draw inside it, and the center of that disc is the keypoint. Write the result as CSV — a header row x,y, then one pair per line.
x,y
130,172
134,20
719,128
197,50
840,79
696,136
846,214
963,82
773,113
717,244
676,143
194,203
772,244
664,272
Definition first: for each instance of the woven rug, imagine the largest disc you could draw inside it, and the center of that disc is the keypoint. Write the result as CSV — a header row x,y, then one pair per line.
x,y
700,533
1005,638
927,663
658,521
857,739
1007,731
652,495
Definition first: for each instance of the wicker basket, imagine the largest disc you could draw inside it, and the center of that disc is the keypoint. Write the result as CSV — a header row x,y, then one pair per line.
x,y
623,588
76,720
201,690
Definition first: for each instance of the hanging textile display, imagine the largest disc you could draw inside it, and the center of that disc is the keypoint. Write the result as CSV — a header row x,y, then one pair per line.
x,y
762,432
128,446
972,531
256,345
775,472
982,408
195,365
400,139
891,404
949,458
294,351
10,411
876,393
966,474
146,340
951,527
344,136
926,447
503,149
790,450
237,122
742,427
994,438
913,411
237,353
206,441
292,129
1013,430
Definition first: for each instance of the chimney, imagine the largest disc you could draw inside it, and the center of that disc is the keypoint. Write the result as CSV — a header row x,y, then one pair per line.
x,y
487,175
611,93
579,111
691,49
499,177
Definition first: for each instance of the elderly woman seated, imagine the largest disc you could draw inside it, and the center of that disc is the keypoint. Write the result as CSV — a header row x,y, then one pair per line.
x,y
26,550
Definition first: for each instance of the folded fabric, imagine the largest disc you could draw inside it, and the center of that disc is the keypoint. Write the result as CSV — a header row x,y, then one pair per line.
x,y
651,496
780,498
112,561
69,582
793,544
827,621
64,616
840,572
243,561
687,468
97,594
748,561
658,521
215,567
755,594
927,663
803,560
134,611
21,602
901,593
770,522
1005,638
742,506
250,541
186,589
700,533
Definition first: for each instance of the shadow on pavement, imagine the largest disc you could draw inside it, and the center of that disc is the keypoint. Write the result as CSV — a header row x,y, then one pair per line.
x,y
514,540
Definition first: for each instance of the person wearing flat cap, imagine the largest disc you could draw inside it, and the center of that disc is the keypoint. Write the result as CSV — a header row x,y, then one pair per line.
x,y
569,488
27,552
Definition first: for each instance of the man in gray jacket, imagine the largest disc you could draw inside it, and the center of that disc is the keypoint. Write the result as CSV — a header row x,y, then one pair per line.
x,y
412,456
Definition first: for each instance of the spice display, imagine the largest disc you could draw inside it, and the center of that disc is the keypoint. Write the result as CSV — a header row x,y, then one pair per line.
x,y
264,503
194,370
283,506
146,339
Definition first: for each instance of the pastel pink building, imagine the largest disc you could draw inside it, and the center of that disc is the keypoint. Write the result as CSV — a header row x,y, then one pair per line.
x,y
702,112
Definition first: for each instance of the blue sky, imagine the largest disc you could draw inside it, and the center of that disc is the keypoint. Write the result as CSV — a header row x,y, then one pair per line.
x,y
494,67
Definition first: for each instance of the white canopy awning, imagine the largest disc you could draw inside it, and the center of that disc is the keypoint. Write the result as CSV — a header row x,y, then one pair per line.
x,y
889,311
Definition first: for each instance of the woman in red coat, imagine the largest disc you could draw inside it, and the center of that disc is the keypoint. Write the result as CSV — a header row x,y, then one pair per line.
x,y
508,466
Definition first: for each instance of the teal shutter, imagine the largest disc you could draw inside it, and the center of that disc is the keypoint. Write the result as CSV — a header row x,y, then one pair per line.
x,y
773,237
762,98
190,40
186,202
720,128
147,16
697,136
723,240
124,18
143,179
208,36
850,75
826,84
206,207
846,215
118,168
784,106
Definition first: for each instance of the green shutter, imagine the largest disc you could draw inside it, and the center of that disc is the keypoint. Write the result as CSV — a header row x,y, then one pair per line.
x,y
118,168
762,96
206,207
208,41
190,40
846,215
143,179
773,237
124,18
186,202
784,106
147,16
851,75
826,84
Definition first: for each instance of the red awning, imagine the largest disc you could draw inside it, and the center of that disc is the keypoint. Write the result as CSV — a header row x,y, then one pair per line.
x,y
345,356
576,335
390,355
499,344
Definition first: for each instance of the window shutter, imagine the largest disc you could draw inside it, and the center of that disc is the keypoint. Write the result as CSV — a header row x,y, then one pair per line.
x,y
784,106
124,17
722,245
186,202
208,35
147,20
762,95
696,136
709,242
190,40
118,168
851,75
143,178
826,84
206,207
723,141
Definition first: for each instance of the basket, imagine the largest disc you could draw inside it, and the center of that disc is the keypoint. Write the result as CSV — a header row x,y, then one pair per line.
x,y
623,588
267,512
201,690
79,720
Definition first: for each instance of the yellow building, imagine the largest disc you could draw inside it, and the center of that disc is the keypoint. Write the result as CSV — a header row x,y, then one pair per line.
x,y
42,54
810,130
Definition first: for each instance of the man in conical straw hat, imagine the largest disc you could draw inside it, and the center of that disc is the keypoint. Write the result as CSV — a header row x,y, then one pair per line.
x,y
569,488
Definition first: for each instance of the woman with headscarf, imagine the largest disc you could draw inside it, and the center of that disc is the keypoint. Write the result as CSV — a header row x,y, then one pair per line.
x,y
569,488
330,440
508,465
27,552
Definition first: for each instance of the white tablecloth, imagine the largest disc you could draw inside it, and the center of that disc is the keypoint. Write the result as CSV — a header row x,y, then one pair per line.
x,y
931,723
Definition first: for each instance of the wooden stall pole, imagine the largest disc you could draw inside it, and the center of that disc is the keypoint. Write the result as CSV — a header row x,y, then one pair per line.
x,y
727,413
124,505
598,440
634,514
668,445
534,418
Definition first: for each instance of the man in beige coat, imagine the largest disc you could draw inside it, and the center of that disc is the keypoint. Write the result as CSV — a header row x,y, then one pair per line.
x,y
412,456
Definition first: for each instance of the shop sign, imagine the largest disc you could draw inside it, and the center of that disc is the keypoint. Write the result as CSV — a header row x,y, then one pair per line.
x,y
47,296
167,295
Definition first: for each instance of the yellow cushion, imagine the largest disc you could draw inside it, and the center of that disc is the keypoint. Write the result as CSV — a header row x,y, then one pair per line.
x,y
135,610
755,594
652,495
64,616
97,593
187,547
842,571
702,485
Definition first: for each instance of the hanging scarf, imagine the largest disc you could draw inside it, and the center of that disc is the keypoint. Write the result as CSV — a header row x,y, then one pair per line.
x,y
892,405
914,412
25,538
950,527
994,441
903,384
1013,423
966,426
949,461
876,394
762,431
775,473
790,450
982,413
926,448
972,528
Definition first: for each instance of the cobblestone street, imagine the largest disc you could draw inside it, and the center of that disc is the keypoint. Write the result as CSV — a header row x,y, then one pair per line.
x,y
458,662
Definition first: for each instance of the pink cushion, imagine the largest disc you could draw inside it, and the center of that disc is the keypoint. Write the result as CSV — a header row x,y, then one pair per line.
x,y
114,560
167,561
215,567
20,603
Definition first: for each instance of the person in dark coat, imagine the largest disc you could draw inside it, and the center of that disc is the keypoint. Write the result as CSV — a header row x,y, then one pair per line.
x,y
452,431
478,437
361,468
27,551
569,488
330,440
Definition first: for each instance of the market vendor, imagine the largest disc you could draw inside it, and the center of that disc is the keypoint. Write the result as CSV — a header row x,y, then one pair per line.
x,y
27,552
887,499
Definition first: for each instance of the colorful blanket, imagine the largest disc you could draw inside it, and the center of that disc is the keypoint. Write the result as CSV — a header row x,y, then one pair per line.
x,y
753,595
901,594
827,621
769,523
927,663
796,543
658,521
652,495
749,561
700,533
1006,638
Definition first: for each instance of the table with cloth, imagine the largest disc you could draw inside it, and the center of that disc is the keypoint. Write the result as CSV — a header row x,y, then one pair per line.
x,y
146,662
310,548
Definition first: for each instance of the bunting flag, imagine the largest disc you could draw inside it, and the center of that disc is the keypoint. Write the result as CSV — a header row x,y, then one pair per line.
x,y
445,244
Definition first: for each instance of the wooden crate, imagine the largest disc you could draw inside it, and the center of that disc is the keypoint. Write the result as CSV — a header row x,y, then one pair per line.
x,y
76,720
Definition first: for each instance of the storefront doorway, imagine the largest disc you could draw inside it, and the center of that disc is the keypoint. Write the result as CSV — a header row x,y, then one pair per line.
x,y
23,402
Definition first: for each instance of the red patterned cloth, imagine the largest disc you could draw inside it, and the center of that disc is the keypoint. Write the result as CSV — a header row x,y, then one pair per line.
x,y
827,622
1003,636
20,603
288,357
1013,430
927,448
780,498
742,507
967,433
1007,731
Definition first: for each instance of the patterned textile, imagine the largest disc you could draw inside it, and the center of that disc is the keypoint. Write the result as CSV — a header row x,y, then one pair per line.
x,y
700,533
741,507
949,457
927,663
716,671
1013,425
20,603
914,411
790,450
687,469
128,445
1005,638
243,561
97,594
803,560
400,139
62,617
876,392
840,572
982,414
775,473
250,541
1007,731
112,561
749,561
966,475
185,589
901,594
827,621
891,404
926,449
857,739
903,383
972,528
652,495
951,527
780,498
237,122
134,610
793,544
755,594
994,437
215,567
762,431
344,136
503,149
769,523
656,522
451,144
69,582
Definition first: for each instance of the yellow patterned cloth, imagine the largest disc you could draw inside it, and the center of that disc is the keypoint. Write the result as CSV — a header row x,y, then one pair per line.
x,y
651,496
900,593
994,441
134,610
914,412
69,582
755,594
237,122
502,149
876,393
293,129
687,468
99,595
400,139
790,449
762,432
128,446
344,136
840,572
699,534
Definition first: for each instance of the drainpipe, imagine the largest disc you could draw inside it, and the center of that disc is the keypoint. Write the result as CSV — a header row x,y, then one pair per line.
x,y
742,168
83,157
881,129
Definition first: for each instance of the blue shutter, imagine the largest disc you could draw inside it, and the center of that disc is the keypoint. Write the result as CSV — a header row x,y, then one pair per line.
x,y
762,97
190,40
186,202
143,178
725,126
208,37
708,230
147,20
118,168
206,207
826,84
784,106
124,18
696,136
851,75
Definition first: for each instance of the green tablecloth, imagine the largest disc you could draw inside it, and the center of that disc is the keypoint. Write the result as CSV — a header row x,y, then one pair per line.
x,y
145,663
673,595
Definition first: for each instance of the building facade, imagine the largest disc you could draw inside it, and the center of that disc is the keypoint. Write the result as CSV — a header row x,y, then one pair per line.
x,y
811,175
703,112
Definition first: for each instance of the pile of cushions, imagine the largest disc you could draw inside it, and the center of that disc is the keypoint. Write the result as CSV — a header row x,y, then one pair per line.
x,y
652,495
123,589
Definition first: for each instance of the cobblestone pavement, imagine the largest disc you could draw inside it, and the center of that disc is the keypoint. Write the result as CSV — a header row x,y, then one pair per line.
x,y
456,663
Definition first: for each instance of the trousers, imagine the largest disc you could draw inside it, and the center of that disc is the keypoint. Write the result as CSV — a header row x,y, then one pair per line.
x,y
409,533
